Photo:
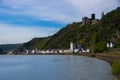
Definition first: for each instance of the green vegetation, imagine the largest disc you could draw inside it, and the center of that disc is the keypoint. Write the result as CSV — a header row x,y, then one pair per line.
x,y
100,47
8,47
92,55
94,36
116,67
1,50
39,43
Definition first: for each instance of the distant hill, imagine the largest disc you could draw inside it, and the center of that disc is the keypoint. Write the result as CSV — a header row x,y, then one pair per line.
x,y
8,47
94,36
39,43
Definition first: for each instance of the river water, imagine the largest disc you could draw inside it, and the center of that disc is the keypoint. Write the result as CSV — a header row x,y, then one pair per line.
x,y
53,67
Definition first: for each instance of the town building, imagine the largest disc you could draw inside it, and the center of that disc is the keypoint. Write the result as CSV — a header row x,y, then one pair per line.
x,y
72,47
110,45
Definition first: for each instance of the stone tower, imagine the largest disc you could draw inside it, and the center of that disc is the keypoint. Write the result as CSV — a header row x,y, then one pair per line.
x,y
102,14
93,16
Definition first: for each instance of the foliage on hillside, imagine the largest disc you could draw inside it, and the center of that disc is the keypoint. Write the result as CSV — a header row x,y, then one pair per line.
x,y
38,43
8,47
110,27
94,36
72,32
1,50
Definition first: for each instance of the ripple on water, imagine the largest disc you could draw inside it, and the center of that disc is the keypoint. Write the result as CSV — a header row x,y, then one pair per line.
x,y
53,67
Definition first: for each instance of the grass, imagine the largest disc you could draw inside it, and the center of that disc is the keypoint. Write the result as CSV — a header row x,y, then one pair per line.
x,y
116,68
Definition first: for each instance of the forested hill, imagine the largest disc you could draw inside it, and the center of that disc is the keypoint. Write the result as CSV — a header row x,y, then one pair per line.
x,y
94,36
8,47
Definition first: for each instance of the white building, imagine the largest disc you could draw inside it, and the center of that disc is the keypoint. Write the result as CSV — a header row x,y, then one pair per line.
x,y
111,45
26,52
108,45
10,52
72,47
33,51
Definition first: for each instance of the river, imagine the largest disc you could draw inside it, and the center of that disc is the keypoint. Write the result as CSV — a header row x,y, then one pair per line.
x,y
53,67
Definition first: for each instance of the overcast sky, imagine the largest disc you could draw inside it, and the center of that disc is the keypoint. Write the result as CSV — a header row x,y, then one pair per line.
x,y
22,20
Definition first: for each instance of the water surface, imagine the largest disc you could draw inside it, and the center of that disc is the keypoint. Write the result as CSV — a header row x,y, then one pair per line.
x,y
53,67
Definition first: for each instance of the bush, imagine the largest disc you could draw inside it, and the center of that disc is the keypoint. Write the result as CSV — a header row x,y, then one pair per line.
x,y
92,55
100,47
1,50
118,44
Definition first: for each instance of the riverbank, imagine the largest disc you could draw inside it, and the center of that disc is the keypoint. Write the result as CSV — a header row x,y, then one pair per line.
x,y
112,58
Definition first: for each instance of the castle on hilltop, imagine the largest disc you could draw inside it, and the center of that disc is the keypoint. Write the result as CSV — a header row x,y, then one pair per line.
x,y
92,20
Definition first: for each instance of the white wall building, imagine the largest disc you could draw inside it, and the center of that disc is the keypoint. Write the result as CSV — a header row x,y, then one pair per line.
x,y
109,45
72,47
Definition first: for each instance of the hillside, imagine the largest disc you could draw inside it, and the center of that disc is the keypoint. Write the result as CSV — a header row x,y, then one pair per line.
x,y
8,47
39,43
94,36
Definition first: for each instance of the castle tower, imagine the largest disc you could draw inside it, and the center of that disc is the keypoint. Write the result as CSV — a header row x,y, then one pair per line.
x,y
102,14
93,16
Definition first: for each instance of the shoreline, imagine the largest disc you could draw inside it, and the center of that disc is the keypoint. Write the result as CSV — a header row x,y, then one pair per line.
x,y
111,58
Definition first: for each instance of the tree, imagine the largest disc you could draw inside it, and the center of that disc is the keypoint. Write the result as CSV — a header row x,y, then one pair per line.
x,y
100,47
1,50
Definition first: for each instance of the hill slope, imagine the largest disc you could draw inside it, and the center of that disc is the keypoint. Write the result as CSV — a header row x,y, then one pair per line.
x,y
94,36
8,47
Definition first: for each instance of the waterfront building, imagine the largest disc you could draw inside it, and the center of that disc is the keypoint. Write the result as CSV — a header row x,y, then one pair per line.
x,y
10,52
111,45
108,45
27,52
33,51
72,47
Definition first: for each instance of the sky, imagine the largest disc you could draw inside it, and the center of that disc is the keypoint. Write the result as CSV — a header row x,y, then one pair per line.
x,y
22,20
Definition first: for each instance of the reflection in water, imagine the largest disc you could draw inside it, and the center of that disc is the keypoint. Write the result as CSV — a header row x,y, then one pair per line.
x,y
53,67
